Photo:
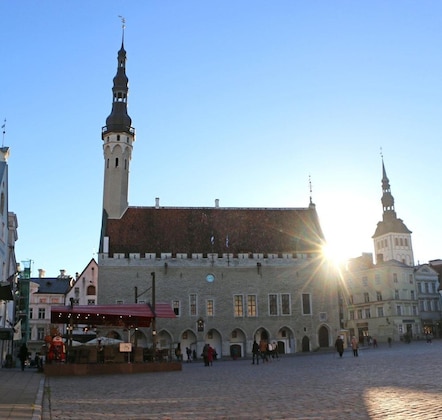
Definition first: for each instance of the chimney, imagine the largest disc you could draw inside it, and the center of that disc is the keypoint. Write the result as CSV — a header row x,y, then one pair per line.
x,y
62,273
157,203
41,273
217,203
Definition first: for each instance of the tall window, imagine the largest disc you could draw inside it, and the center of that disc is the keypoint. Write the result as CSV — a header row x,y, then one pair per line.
x,y
396,294
366,297
209,307
192,304
306,304
40,333
176,307
238,306
412,294
380,310
285,304
273,304
367,313
41,313
395,277
251,305
398,310
378,296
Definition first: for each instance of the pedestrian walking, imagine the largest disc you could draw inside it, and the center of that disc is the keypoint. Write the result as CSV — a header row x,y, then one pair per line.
x,y
23,355
189,354
255,353
263,350
210,353
354,346
275,354
339,344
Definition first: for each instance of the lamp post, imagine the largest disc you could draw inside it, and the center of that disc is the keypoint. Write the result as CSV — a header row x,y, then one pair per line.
x,y
70,330
154,331
440,311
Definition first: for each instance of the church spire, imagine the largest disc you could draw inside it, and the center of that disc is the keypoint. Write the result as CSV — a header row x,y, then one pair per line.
x,y
119,120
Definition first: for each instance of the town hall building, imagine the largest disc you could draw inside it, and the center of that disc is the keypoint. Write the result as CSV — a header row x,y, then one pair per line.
x,y
232,275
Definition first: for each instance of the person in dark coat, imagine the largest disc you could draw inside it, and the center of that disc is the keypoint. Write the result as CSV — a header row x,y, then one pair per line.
x,y
339,344
23,355
255,353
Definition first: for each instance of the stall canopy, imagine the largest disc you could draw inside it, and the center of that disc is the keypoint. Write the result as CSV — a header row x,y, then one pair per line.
x,y
131,315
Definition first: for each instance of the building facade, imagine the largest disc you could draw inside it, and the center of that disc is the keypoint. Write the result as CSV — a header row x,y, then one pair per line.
x,y
381,300
8,264
45,292
430,309
232,275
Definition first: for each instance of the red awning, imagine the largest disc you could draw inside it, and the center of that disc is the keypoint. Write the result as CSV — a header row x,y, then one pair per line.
x,y
137,315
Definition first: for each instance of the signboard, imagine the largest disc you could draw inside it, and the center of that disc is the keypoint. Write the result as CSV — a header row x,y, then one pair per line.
x,y
5,334
125,347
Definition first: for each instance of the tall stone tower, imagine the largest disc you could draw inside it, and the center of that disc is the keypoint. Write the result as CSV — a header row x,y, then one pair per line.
x,y
392,239
118,137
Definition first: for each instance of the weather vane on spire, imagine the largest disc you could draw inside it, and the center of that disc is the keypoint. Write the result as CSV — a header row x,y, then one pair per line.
x,y
4,132
382,155
123,23
310,185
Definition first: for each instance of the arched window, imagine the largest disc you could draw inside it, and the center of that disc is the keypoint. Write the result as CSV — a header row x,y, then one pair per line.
x,y
2,203
90,290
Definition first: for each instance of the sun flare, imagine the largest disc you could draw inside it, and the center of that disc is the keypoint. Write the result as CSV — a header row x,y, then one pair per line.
x,y
334,254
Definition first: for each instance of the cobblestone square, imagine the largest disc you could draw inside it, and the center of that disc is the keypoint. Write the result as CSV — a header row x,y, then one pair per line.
x,y
401,382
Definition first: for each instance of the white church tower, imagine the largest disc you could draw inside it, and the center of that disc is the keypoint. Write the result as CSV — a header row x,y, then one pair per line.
x,y
392,239
118,137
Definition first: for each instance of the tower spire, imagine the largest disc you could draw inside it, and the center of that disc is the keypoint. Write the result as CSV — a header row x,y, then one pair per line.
x,y
392,239
119,120
118,137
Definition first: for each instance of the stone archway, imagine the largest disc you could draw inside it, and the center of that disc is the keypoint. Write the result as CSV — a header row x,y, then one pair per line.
x,y
237,344
305,344
286,341
213,337
188,339
323,337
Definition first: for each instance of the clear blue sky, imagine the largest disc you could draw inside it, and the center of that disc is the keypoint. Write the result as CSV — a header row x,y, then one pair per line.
x,y
235,100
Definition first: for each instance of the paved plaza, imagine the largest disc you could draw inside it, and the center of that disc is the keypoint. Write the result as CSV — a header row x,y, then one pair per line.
x,y
401,382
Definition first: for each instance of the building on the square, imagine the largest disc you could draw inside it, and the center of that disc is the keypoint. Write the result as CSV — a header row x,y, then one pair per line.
x,y
45,292
430,310
8,264
232,275
380,300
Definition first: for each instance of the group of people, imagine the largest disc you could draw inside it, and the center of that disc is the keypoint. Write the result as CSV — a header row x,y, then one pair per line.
x,y
339,345
354,343
208,355
264,351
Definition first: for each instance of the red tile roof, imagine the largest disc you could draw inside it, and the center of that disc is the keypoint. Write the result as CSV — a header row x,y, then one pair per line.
x,y
189,230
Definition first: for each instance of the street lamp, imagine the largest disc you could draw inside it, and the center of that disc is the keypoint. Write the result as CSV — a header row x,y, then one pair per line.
x,y
154,331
